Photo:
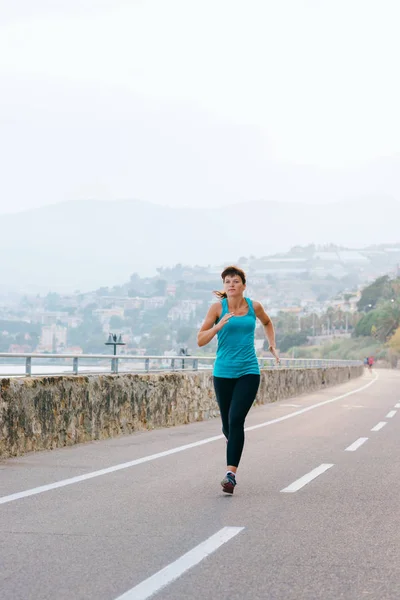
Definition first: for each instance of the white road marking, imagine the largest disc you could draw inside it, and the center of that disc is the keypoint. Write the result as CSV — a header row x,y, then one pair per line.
x,y
397,405
304,410
391,414
159,580
379,426
291,405
356,444
78,478
299,483
150,457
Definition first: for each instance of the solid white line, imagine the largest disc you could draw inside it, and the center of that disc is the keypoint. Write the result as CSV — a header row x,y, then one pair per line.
x,y
156,582
379,426
391,414
140,461
78,478
356,444
397,405
304,410
299,483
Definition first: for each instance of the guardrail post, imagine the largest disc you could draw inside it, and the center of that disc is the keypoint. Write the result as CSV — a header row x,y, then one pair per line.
x,y
75,366
195,364
147,365
173,364
28,366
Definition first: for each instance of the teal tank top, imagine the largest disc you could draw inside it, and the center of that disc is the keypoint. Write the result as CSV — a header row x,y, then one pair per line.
x,y
236,354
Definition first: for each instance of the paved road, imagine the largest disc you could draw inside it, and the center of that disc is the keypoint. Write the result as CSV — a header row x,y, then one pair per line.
x,y
315,514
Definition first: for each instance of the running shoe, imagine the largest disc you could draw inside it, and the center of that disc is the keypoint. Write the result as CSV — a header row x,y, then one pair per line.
x,y
228,483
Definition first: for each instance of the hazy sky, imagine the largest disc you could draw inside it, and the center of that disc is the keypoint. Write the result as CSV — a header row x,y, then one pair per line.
x,y
191,103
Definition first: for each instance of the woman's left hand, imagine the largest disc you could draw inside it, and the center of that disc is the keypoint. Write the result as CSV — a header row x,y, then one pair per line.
x,y
274,353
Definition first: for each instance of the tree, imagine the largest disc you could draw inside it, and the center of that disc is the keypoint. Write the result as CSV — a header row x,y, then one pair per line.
x,y
20,339
366,323
394,342
103,291
183,334
52,301
14,327
158,340
89,335
377,290
181,291
116,322
161,287
5,342
389,320
134,279
380,322
133,292
288,341
286,323
88,310
132,317
95,345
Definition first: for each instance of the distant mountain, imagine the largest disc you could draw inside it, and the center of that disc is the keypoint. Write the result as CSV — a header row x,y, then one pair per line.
x,y
86,244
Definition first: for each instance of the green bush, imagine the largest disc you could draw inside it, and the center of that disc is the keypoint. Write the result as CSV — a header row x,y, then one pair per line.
x,y
349,349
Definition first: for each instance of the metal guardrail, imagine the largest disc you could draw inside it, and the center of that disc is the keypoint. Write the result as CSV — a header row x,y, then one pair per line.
x,y
153,363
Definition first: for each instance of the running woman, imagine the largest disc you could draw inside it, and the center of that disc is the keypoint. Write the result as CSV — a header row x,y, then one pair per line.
x,y
236,372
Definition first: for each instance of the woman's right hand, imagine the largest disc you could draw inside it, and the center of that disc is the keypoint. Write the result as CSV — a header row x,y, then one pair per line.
x,y
224,320
274,353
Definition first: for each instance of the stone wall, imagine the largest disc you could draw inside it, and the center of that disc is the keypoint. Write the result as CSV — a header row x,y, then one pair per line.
x,y
51,412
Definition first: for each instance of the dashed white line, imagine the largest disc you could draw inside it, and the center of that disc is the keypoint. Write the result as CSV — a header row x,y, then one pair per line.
x,y
391,414
379,426
397,405
299,483
144,459
356,444
156,582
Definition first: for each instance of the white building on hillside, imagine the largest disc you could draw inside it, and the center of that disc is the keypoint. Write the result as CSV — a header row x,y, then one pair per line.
x,y
52,337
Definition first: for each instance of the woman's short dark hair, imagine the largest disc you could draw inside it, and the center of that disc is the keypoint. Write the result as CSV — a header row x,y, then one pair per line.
x,y
231,270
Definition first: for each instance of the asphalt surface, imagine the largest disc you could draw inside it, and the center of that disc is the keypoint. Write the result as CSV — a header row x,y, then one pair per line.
x,y
110,534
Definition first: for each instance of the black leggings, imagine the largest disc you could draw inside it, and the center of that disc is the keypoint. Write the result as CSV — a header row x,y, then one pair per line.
x,y
235,398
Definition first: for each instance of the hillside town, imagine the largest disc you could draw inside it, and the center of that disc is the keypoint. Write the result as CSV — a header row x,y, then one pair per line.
x,y
311,293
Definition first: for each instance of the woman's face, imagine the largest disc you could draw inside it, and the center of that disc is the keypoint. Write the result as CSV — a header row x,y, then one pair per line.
x,y
233,286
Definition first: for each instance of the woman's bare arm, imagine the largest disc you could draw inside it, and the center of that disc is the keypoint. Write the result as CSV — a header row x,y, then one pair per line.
x,y
209,329
268,327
